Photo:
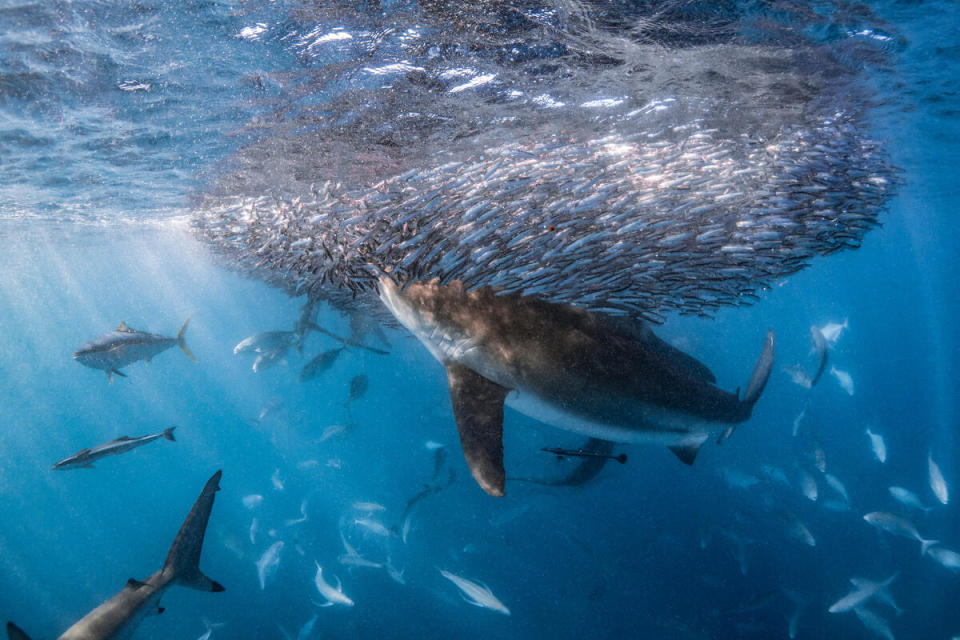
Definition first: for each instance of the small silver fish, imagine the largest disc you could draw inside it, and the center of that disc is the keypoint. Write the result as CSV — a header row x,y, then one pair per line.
x,y
878,445
477,594
898,526
937,482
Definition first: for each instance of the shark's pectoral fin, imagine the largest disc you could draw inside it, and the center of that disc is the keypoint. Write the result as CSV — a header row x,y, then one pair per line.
x,y
687,452
478,409
135,584
16,633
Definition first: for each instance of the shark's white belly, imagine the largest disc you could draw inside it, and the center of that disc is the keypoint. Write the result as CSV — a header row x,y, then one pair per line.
x,y
660,425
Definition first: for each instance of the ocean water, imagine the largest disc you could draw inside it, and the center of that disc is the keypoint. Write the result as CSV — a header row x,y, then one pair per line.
x,y
116,120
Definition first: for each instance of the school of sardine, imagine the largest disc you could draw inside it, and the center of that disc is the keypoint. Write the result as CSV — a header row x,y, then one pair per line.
x,y
642,224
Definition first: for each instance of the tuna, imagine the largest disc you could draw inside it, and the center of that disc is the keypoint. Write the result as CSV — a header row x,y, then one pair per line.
x,y
122,346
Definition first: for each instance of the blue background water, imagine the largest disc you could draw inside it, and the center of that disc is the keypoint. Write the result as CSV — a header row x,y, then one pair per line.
x,y
95,180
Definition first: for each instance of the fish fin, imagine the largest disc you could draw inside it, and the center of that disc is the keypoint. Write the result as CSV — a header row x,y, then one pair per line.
x,y
325,604
184,555
110,377
926,544
161,610
121,439
758,380
123,327
686,452
478,409
181,339
761,372
135,584
117,373
168,433
16,633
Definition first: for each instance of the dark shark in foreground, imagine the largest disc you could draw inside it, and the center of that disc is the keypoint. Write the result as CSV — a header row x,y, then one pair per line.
x,y
86,457
124,346
603,376
119,616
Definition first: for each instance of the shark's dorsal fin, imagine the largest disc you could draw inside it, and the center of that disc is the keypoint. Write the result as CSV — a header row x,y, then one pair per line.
x,y
478,409
184,555
123,327
135,584
122,439
687,452
16,633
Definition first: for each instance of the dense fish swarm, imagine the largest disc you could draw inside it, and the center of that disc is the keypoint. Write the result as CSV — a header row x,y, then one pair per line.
x,y
641,224
587,153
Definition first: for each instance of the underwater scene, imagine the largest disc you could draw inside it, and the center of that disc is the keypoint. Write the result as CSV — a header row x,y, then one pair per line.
x,y
510,319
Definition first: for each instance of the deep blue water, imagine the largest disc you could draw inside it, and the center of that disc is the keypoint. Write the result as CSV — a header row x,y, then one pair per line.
x,y
113,117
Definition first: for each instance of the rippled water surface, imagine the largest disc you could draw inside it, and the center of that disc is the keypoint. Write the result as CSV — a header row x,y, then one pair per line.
x,y
717,168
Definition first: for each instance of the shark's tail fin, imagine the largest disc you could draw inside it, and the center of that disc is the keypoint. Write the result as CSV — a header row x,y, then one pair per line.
x,y
182,341
184,556
926,544
168,434
16,633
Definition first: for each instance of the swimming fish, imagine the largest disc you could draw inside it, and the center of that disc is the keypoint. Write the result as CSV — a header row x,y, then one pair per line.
x,y
330,594
302,518
909,498
898,526
874,623
836,485
937,483
352,558
320,364
86,457
368,506
946,557
307,629
878,445
266,341
119,616
823,353
584,453
122,346
863,591
844,378
477,594
588,467
252,501
358,387
269,562
808,485
831,331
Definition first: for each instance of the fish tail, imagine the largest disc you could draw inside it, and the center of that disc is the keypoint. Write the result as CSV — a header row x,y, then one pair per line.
x,y
181,340
184,555
761,372
758,380
168,434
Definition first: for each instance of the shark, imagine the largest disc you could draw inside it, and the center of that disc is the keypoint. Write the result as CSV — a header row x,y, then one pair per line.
x,y
600,375
119,616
